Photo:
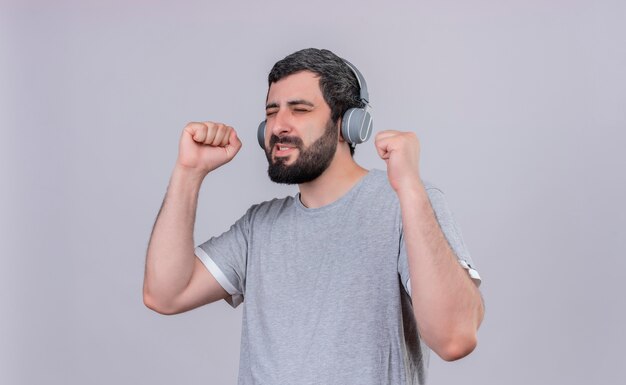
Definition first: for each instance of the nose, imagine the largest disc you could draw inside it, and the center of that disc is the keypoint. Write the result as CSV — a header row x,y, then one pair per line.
x,y
280,125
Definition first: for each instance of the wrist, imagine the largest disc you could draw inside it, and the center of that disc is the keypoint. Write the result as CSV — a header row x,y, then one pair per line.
x,y
409,184
188,175
412,191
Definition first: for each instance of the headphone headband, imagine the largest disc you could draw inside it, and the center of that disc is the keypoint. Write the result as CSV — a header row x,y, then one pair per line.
x,y
364,95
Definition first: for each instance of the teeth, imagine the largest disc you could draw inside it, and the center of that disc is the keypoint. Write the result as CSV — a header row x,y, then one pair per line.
x,y
283,148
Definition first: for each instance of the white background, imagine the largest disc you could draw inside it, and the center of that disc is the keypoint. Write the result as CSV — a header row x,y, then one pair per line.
x,y
519,106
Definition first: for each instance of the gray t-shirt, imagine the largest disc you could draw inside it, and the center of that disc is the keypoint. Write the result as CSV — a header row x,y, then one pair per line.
x,y
327,289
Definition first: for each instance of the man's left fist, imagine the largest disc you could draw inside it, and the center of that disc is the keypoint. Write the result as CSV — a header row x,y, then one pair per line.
x,y
401,151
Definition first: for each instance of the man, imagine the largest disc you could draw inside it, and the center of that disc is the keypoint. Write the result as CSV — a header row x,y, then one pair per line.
x,y
351,281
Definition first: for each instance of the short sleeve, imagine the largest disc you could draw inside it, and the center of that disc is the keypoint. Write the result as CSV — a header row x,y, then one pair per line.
x,y
225,256
452,233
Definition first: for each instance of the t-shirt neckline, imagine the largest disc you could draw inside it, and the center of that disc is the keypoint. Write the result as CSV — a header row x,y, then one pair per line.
x,y
337,203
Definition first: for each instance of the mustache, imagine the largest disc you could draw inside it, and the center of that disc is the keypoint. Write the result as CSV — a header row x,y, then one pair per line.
x,y
293,140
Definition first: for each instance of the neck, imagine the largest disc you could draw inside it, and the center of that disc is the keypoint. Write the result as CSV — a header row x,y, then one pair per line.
x,y
340,176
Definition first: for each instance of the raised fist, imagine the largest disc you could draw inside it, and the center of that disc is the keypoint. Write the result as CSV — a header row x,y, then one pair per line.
x,y
401,151
205,146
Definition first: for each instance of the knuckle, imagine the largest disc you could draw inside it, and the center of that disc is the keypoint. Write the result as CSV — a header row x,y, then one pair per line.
x,y
190,125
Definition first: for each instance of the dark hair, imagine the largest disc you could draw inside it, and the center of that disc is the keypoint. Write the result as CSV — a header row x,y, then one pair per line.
x,y
338,83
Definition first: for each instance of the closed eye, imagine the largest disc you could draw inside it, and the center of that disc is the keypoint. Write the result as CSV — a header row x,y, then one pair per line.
x,y
301,105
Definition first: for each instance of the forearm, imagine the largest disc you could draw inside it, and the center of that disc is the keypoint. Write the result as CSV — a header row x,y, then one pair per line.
x,y
170,255
447,304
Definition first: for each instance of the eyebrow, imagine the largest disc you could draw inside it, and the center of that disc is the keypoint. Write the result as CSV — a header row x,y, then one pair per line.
x,y
290,103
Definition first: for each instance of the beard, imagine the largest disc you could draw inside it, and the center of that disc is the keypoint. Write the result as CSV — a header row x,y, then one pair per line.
x,y
312,161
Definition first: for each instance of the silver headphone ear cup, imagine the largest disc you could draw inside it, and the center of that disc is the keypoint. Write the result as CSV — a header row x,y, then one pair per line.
x,y
345,126
365,131
356,126
260,134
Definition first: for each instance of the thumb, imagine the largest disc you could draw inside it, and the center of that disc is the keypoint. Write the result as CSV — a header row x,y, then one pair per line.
x,y
234,144
381,147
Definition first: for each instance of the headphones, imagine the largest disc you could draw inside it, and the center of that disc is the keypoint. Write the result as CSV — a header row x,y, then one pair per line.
x,y
356,123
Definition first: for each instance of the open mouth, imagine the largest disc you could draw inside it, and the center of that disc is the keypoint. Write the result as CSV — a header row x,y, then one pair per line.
x,y
281,150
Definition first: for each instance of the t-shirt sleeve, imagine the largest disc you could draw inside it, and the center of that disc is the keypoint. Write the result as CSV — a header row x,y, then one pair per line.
x,y
225,256
452,233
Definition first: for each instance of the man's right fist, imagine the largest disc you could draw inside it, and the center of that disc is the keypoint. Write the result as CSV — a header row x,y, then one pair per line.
x,y
205,146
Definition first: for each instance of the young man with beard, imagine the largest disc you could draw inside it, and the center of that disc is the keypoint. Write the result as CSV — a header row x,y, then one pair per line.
x,y
352,280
